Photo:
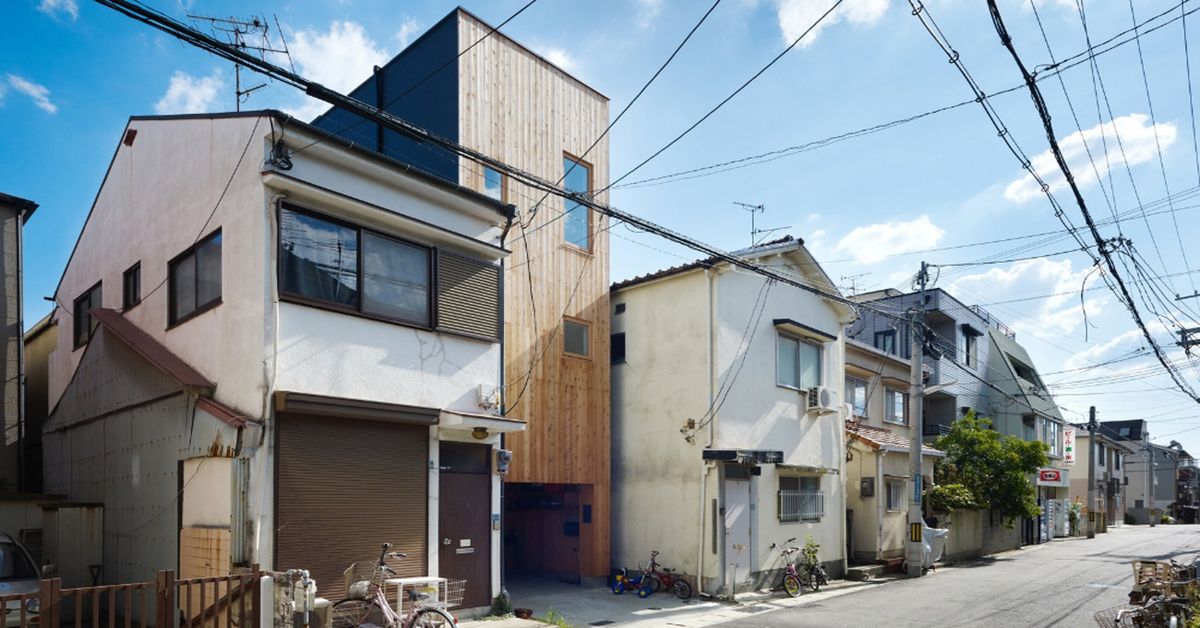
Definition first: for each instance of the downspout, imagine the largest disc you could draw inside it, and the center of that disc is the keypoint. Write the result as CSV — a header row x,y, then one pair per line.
x,y
879,512
841,479
510,215
20,224
705,468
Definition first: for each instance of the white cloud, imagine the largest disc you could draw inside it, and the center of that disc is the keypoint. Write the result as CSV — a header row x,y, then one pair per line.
x,y
54,7
409,29
559,57
646,11
1137,137
340,58
1056,315
37,93
796,16
874,242
1120,344
188,94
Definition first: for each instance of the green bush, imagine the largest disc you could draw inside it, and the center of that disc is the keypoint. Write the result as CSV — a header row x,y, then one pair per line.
x,y
948,497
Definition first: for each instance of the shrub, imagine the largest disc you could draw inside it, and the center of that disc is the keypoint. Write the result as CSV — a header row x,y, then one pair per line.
x,y
947,497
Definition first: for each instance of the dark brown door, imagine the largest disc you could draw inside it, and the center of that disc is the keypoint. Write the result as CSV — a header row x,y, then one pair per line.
x,y
465,519
345,486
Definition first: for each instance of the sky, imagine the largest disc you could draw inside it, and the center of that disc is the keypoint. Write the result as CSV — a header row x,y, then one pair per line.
x,y
871,205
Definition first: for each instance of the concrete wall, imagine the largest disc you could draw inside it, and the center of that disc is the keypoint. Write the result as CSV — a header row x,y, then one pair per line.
x,y
975,533
39,343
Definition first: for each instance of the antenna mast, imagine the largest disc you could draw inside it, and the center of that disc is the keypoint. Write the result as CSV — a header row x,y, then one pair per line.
x,y
253,34
754,230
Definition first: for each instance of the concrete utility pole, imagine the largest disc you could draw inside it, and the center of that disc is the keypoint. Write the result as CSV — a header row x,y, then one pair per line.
x,y
914,553
1150,482
1091,498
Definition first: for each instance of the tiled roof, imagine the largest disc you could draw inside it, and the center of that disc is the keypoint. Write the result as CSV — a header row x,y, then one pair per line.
x,y
879,438
150,349
700,263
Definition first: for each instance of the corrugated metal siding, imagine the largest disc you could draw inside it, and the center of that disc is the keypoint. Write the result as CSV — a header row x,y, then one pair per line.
x,y
343,488
468,295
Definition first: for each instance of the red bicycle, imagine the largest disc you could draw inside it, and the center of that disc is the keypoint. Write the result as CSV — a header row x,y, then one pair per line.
x,y
665,579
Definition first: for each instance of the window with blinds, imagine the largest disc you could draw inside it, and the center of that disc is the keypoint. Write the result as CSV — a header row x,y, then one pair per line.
x,y
468,295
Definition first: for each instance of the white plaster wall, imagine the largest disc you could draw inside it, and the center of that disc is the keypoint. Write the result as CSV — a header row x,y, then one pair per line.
x,y
154,204
339,355
663,383
206,496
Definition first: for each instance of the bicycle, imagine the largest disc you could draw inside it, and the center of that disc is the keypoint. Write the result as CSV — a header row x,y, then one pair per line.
x,y
812,576
665,579
366,604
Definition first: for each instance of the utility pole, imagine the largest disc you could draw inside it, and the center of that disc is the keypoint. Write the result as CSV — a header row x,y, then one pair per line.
x,y
914,552
1091,480
1150,482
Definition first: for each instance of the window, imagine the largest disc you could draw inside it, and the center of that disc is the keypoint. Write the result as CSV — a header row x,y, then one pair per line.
x,y
575,338
897,406
798,363
1117,460
493,184
617,348
577,177
195,280
801,498
14,563
896,495
131,287
395,279
972,347
856,394
886,341
325,262
84,326
1100,456
318,259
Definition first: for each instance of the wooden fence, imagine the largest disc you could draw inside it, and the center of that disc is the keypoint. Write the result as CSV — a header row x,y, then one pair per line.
x,y
231,601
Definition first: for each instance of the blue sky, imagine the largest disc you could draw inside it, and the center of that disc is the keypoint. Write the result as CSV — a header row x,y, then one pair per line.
x,y
71,72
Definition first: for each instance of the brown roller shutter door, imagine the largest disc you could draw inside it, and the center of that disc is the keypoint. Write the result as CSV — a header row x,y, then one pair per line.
x,y
345,486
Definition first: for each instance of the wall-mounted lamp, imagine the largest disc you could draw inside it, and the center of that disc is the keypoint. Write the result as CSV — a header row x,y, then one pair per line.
x,y
479,433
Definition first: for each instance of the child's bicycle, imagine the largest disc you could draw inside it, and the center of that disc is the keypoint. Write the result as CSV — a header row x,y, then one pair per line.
x,y
652,580
366,605
795,580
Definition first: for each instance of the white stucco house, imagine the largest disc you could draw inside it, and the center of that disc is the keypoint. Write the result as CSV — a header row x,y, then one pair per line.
x,y
281,357
727,421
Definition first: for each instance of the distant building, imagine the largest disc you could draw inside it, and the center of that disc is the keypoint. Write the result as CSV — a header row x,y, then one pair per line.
x,y
1152,470
1111,482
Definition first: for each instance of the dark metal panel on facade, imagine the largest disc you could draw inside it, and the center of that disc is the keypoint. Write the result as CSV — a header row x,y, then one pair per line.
x,y
344,487
468,295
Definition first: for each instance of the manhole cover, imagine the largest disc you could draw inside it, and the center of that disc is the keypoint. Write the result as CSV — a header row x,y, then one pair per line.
x,y
654,608
602,622
753,608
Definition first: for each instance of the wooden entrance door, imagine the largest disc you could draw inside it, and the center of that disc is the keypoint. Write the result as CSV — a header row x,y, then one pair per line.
x,y
464,520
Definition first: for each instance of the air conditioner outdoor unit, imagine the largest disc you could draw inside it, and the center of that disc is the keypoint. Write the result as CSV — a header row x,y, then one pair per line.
x,y
822,400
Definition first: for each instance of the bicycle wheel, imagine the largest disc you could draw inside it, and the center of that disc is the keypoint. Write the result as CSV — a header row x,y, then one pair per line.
x,y
814,579
432,618
351,613
791,586
681,589
656,582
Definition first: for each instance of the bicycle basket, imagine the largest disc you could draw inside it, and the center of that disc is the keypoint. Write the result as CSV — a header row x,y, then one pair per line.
x,y
1108,618
453,593
362,579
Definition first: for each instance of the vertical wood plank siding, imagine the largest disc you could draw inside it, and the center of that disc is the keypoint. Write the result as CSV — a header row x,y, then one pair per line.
x,y
522,110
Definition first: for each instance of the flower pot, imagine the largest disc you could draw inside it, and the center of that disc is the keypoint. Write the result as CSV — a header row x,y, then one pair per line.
x,y
523,613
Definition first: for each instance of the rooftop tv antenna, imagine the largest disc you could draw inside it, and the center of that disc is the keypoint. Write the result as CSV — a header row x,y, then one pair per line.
x,y
852,280
755,232
252,34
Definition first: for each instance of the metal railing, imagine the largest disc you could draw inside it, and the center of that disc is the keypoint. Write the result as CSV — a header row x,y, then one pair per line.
x,y
994,322
801,505
934,429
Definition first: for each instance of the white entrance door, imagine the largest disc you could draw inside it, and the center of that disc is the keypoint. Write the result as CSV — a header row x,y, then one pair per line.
x,y
737,532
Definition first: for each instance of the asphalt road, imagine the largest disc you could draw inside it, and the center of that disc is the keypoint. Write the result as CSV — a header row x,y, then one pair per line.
x,y
1062,583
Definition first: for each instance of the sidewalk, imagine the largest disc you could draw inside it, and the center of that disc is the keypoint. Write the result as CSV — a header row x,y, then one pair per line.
x,y
598,606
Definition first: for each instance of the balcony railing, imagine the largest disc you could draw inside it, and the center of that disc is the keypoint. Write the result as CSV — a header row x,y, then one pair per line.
x,y
994,322
934,429
801,505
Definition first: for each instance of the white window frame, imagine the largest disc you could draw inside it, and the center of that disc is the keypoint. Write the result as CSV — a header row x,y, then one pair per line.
x,y
889,407
855,381
800,506
799,340
896,488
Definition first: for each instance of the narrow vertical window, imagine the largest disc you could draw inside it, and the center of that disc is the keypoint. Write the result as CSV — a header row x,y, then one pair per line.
x,y
577,177
194,279
617,348
83,324
131,287
493,183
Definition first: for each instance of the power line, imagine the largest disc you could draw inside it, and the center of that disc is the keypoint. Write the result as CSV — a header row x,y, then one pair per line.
x,y
1162,166
1101,243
